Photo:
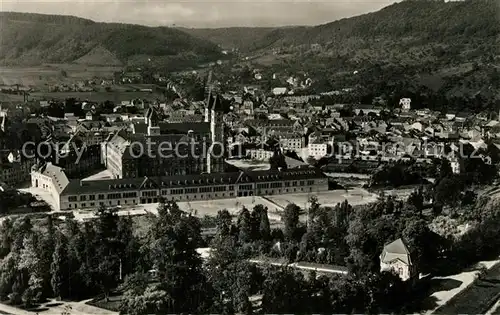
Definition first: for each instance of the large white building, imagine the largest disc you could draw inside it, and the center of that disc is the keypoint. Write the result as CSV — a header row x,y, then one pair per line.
x,y
77,194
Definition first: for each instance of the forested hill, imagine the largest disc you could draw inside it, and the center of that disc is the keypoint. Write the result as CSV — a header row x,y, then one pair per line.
x,y
418,20
441,54
36,38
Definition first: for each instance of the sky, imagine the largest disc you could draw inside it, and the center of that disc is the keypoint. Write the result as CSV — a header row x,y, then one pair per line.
x,y
202,13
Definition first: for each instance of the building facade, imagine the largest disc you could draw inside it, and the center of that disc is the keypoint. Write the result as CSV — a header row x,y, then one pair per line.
x,y
157,148
260,154
77,194
16,173
318,150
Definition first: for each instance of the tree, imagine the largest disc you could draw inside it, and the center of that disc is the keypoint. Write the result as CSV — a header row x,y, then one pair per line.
x,y
278,161
128,246
172,247
445,169
108,250
29,266
77,259
59,267
291,220
369,230
283,292
421,243
314,207
8,277
261,222
447,191
224,222
6,237
45,252
244,226
416,199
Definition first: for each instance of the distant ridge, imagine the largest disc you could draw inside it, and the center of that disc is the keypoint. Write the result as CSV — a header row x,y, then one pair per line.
x,y
418,20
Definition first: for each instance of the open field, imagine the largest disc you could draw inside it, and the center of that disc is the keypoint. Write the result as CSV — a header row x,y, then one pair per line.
x,y
234,205
53,73
348,175
10,97
355,197
100,96
262,165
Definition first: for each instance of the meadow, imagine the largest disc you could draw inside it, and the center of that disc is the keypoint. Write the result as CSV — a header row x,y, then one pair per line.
x,y
40,76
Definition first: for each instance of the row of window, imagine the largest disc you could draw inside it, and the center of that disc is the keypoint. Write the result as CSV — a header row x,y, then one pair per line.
x,y
147,200
153,193
187,191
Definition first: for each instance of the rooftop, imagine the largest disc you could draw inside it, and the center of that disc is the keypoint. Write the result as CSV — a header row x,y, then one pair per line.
x,y
396,250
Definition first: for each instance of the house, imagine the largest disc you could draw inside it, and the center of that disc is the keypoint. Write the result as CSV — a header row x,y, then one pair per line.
x,y
317,149
259,154
405,104
396,258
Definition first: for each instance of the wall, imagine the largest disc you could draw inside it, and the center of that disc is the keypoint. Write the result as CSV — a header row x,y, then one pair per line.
x,y
399,267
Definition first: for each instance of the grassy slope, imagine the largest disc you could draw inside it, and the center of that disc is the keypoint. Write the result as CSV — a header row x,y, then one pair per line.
x,y
36,39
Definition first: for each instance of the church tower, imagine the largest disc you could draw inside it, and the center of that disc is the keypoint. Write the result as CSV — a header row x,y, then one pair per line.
x,y
215,158
152,121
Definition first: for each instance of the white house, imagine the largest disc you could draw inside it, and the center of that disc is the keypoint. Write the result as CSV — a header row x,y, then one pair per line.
x,y
396,258
279,90
317,150
52,179
405,104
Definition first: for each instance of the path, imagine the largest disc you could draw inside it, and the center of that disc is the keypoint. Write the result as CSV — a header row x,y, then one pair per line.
x,y
494,309
474,295
57,308
274,203
14,310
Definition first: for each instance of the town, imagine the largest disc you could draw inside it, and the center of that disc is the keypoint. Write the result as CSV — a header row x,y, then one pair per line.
x,y
252,180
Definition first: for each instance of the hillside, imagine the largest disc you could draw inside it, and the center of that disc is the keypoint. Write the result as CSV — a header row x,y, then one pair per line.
x,y
443,54
411,21
243,38
32,39
99,56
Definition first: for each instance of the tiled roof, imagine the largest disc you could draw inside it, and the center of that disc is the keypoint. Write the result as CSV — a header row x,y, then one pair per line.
x,y
396,250
57,174
181,181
